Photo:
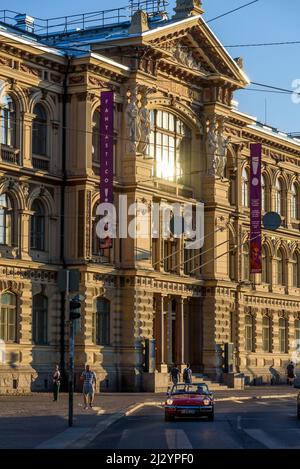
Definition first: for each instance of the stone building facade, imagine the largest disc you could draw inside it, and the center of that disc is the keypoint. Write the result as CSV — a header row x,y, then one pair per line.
x,y
178,139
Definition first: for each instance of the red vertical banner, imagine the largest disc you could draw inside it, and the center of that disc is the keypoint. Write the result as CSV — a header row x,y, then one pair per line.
x,y
106,154
255,209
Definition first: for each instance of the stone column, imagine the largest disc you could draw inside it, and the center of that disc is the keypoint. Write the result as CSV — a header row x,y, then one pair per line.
x,y
24,233
161,364
180,333
169,332
26,139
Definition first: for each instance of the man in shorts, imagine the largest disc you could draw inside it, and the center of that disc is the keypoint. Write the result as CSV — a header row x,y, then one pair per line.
x,y
89,383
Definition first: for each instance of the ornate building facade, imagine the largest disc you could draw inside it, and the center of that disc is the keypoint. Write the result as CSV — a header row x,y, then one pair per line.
x,y
178,138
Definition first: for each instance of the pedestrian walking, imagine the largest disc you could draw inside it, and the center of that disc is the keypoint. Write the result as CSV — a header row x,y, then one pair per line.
x,y
290,373
174,374
187,374
56,382
89,383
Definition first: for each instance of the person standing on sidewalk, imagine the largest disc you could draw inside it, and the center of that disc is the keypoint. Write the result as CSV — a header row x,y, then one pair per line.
x,y
187,374
290,373
56,382
89,383
174,373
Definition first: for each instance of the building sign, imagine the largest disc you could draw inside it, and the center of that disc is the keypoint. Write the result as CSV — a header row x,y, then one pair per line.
x,y
106,154
255,209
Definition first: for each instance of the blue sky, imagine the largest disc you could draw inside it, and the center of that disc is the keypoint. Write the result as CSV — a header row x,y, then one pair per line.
x,y
265,21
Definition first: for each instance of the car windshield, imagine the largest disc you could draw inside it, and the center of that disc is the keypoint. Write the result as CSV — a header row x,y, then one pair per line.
x,y
190,389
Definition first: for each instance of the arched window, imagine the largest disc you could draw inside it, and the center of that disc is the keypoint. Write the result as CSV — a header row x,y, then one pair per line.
x,y
280,268
8,317
296,270
39,131
249,333
297,332
283,335
263,194
265,265
37,229
246,262
40,319
101,322
266,334
170,145
279,197
96,136
294,202
8,122
245,188
6,220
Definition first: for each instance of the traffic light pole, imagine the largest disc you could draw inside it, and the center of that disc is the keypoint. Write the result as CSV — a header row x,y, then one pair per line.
x,y
71,374
71,349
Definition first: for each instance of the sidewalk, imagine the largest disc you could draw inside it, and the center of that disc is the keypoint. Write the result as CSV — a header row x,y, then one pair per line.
x,y
34,421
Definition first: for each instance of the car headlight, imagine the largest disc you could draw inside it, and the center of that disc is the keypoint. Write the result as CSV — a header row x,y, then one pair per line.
x,y
206,401
169,402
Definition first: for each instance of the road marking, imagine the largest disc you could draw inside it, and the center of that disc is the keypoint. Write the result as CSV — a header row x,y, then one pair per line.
x,y
63,439
239,402
177,439
264,438
239,423
122,442
263,403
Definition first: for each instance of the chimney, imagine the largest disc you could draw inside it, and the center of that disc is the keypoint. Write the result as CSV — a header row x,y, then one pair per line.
x,y
139,23
187,8
25,22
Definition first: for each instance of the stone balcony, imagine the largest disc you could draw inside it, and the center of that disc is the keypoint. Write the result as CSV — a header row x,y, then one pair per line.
x,y
10,155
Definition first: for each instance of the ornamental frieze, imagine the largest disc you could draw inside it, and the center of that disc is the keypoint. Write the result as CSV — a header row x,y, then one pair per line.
x,y
29,274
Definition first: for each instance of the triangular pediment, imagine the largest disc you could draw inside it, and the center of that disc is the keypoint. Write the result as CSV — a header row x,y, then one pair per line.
x,y
195,47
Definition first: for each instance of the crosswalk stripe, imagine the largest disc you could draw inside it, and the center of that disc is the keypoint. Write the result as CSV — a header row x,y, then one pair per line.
x,y
263,438
177,439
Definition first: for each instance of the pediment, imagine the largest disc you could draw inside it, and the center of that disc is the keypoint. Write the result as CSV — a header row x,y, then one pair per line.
x,y
193,45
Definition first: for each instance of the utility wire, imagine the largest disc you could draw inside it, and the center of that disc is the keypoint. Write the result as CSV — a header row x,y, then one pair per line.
x,y
231,11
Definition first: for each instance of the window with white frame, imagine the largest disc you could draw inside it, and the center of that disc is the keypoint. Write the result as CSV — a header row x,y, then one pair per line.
x,y
6,220
279,197
8,317
40,319
266,334
170,145
101,321
296,270
37,227
283,330
39,131
8,121
249,333
280,268
294,202
245,188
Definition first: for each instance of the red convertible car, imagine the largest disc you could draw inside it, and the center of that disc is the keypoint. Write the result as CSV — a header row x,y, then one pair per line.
x,y
189,400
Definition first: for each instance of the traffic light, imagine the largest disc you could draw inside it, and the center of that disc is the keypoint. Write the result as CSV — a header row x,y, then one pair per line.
x,y
75,307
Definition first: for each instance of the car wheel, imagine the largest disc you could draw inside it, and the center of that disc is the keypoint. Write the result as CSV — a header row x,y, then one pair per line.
x,y
211,417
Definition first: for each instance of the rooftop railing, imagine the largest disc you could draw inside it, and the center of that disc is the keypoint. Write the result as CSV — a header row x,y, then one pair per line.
x,y
82,21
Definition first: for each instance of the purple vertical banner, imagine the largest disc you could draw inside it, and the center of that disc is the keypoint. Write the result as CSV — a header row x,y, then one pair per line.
x,y
255,209
106,154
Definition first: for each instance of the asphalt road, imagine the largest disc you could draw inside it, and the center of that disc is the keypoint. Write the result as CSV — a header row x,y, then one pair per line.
x,y
262,424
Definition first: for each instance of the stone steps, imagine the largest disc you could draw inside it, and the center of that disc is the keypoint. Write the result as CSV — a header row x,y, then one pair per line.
x,y
212,385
